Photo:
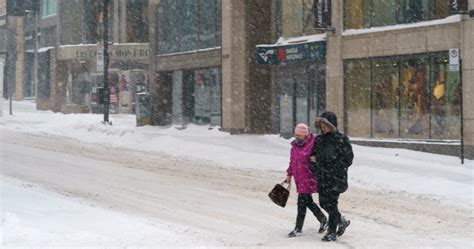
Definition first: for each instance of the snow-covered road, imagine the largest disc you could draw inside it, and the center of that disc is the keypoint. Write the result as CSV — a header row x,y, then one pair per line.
x,y
207,204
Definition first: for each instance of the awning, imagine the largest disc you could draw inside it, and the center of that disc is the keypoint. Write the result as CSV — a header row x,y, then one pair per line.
x,y
293,50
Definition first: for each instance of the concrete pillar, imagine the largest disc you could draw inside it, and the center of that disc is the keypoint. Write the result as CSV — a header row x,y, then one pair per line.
x,y
246,86
467,56
20,59
334,65
234,70
122,20
116,21
152,84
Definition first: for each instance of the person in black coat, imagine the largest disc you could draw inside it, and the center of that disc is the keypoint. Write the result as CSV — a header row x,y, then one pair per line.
x,y
333,156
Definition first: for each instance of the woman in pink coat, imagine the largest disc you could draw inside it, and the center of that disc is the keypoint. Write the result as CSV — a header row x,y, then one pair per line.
x,y
305,181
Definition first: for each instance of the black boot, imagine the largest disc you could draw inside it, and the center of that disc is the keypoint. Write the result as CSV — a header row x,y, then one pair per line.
x,y
329,236
296,232
323,224
343,224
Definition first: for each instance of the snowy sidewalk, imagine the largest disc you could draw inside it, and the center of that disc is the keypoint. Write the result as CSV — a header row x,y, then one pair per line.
x,y
416,173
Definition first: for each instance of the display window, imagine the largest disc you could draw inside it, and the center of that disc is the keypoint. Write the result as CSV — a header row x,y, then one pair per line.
x,y
412,97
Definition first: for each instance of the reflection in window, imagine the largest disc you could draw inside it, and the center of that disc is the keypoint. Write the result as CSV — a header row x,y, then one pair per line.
x,y
298,17
357,92
137,21
93,20
445,100
409,97
48,8
188,25
355,14
415,98
385,98
376,13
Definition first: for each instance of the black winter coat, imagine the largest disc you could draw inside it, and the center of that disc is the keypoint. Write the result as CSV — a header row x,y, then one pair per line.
x,y
334,155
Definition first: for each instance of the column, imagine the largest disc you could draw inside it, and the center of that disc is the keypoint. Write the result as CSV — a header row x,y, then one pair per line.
x,y
334,65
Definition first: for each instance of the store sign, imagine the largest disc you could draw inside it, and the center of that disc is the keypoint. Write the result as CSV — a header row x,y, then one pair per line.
x,y
456,6
322,14
288,54
116,52
454,60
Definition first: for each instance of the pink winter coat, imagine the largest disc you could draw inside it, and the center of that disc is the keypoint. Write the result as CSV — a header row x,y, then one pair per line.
x,y
299,166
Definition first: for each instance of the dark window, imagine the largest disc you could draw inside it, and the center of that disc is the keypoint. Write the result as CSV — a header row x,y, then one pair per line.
x,y
44,77
188,25
137,21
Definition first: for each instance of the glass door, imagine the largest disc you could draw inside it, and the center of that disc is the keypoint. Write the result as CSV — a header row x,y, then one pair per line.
x,y
300,96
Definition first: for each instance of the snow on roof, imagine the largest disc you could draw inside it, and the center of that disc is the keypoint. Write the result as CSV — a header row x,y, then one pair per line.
x,y
449,19
191,51
282,41
44,49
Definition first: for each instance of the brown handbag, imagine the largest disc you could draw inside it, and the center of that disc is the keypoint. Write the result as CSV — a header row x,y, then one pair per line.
x,y
279,194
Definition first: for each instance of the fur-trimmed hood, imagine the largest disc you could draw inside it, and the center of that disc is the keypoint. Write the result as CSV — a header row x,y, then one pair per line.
x,y
328,118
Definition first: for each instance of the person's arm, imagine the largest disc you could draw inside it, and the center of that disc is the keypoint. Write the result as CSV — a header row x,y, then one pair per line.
x,y
289,171
346,155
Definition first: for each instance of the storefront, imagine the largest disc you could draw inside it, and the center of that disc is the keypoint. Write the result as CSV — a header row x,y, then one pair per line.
x,y
375,13
195,96
408,97
80,81
300,78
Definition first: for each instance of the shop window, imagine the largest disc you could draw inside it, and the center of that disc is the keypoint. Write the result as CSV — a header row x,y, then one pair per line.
x,y
188,25
376,13
357,92
196,97
92,21
383,13
445,100
44,75
385,103
80,86
298,17
414,97
286,93
48,8
355,14
414,116
440,9
190,30
137,20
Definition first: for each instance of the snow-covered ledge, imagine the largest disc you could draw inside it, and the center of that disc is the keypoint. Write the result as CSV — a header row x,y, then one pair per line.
x,y
447,20
282,41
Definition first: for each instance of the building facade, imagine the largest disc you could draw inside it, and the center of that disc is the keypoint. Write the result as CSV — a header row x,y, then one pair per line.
x,y
3,43
53,46
259,66
203,69
386,71
72,32
382,67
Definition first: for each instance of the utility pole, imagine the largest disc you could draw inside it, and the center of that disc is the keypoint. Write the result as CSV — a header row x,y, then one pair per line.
x,y
106,60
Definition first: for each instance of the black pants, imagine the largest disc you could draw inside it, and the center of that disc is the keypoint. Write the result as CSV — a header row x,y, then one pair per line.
x,y
306,201
328,201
